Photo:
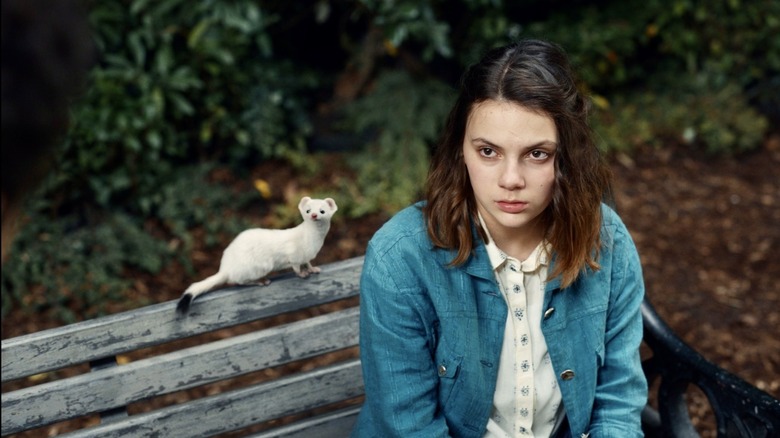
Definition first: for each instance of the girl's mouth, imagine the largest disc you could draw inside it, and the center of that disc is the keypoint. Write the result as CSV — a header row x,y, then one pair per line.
x,y
512,206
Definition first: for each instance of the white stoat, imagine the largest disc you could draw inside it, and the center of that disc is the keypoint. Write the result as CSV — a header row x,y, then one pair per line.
x,y
257,252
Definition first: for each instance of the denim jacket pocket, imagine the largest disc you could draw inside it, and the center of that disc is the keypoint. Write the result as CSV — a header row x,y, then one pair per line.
x,y
448,369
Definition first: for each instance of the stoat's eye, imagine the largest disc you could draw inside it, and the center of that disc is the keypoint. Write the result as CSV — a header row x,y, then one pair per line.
x,y
308,211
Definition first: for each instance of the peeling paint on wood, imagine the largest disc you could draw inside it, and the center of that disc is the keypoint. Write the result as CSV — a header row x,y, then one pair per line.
x,y
111,387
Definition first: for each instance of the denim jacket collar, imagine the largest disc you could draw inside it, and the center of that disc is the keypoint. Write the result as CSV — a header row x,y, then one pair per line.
x,y
478,264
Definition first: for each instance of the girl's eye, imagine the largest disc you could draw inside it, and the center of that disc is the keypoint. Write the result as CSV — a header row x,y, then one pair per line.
x,y
539,154
487,152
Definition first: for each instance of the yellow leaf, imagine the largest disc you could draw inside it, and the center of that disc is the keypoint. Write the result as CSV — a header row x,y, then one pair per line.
x,y
600,101
38,377
391,49
651,30
263,187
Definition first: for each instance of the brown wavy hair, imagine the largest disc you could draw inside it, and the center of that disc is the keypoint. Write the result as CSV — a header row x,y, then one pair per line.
x,y
536,75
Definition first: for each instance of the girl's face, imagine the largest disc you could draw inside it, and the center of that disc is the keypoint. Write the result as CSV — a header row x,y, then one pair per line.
x,y
509,152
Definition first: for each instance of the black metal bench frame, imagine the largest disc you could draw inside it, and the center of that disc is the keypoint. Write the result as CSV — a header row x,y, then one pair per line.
x,y
740,409
307,396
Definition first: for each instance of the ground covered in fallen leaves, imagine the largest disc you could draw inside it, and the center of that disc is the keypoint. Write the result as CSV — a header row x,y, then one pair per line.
x,y
708,233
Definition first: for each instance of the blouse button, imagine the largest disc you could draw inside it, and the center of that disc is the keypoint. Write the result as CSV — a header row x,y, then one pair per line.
x,y
549,312
442,371
567,375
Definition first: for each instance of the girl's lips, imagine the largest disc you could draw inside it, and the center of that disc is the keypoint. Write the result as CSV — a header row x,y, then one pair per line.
x,y
511,206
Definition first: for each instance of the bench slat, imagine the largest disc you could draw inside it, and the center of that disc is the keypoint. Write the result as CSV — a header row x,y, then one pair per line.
x,y
337,424
118,386
241,408
156,324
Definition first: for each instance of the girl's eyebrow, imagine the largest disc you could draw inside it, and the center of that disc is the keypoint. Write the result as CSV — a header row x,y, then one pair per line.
x,y
542,143
485,141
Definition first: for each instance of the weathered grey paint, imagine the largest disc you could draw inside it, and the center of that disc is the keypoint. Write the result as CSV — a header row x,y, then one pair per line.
x,y
113,387
104,337
241,408
332,424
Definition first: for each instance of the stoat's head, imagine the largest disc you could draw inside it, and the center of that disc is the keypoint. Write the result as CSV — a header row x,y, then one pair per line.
x,y
317,209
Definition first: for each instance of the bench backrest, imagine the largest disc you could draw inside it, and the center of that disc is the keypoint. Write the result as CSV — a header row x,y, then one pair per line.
x,y
175,362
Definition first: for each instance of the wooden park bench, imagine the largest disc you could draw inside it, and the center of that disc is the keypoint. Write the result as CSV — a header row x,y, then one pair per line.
x,y
277,361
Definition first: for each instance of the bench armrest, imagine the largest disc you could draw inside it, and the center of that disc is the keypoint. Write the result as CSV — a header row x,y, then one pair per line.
x,y
740,409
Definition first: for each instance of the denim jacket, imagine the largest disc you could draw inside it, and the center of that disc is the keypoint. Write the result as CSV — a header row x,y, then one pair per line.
x,y
431,336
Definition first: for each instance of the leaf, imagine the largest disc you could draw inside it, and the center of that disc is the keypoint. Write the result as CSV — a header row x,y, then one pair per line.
x,y
181,104
136,48
194,37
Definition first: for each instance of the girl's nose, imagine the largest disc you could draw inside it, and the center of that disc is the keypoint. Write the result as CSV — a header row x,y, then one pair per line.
x,y
511,178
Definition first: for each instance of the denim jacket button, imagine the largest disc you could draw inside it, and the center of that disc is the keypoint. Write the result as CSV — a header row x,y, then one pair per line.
x,y
567,375
442,371
549,312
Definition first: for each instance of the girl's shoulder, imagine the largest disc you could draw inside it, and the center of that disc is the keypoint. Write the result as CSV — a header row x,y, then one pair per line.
x,y
407,227
612,225
609,217
616,240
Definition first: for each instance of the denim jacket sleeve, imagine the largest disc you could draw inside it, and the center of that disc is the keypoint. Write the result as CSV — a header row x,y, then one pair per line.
x,y
400,377
594,334
621,391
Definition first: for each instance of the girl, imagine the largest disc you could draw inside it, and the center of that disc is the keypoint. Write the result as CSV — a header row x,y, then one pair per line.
x,y
508,303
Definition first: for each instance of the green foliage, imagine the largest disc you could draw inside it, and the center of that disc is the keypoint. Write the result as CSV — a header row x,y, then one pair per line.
x,y
681,54
719,123
406,114
184,82
178,82
411,20
676,70
437,28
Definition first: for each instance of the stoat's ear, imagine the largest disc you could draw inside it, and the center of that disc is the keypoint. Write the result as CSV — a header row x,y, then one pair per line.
x,y
331,203
305,200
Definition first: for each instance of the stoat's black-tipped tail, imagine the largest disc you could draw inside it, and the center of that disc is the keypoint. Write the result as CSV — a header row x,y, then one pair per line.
x,y
183,307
